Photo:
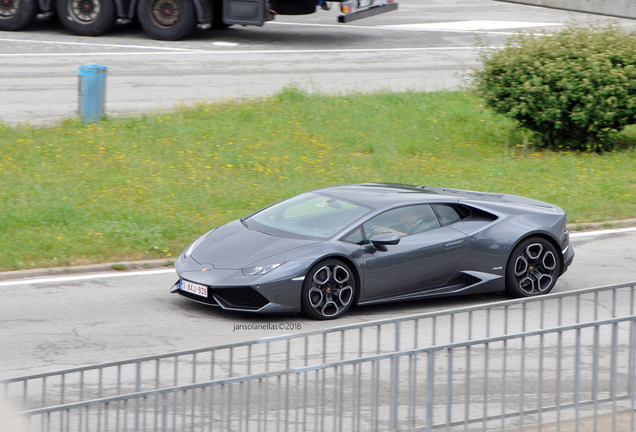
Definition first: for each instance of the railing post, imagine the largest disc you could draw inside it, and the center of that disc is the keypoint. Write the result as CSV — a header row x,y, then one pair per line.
x,y
393,403
632,372
137,389
430,393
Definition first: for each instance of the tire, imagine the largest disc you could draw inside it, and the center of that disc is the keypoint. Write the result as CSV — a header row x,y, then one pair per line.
x,y
167,19
328,291
533,268
87,17
17,14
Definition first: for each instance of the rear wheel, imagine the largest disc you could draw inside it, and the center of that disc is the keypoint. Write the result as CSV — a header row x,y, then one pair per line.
x,y
328,291
533,268
87,17
17,14
167,19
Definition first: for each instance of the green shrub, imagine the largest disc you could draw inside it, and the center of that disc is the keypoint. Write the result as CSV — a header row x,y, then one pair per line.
x,y
574,88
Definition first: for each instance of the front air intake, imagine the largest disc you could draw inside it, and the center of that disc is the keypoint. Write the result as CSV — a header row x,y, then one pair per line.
x,y
240,298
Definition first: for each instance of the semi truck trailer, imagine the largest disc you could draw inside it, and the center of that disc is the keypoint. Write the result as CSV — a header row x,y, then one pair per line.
x,y
173,19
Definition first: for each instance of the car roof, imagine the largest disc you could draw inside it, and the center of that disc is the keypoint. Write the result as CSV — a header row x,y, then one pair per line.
x,y
387,195
380,195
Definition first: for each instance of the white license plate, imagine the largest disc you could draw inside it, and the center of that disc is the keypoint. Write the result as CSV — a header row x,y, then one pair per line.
x,y
193,288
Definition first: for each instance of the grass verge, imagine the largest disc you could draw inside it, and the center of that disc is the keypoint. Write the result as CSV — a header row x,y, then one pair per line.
x,y
145,187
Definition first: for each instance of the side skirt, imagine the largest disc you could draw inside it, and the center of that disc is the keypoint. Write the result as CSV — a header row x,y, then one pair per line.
x,y
473,283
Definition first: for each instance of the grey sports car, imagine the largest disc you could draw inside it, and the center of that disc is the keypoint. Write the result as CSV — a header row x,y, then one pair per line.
x,y
323,251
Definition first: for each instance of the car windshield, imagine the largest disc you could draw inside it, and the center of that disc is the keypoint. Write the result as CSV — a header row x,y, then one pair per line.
x,y
309,215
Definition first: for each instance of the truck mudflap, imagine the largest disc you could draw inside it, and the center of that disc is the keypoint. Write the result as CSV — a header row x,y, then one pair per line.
x,y
351,10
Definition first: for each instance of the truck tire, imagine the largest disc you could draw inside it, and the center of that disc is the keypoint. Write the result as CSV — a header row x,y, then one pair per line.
x,y
294,7
17,14
87,17
167,19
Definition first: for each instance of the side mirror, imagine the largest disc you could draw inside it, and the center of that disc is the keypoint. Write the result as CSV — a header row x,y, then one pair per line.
x,y
381,241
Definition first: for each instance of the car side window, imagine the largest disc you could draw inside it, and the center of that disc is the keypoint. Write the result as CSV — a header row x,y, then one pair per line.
x,y
404,221
355,237
447,214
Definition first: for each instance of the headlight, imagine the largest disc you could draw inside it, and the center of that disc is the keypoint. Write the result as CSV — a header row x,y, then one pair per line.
x,y
193,246
260,270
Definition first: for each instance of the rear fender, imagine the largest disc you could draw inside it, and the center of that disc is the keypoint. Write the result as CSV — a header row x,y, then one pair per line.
x,y
203,9
546,236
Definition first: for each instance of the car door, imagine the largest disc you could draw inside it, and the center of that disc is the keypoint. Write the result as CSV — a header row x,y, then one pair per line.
x,y
425,257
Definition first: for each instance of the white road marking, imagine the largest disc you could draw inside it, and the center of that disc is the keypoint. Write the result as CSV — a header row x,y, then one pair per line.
x,y
97,44
304,51
602,232
61,279
475,25
404,27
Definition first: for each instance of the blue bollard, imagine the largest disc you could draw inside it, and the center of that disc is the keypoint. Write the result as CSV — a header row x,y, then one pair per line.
x,y
92,92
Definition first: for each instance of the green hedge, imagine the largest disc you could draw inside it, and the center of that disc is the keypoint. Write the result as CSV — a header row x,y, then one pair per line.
x,y
574,87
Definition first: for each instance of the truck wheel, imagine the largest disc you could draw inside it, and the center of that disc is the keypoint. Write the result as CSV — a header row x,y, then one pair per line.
x,y
87,17
17,14
167,19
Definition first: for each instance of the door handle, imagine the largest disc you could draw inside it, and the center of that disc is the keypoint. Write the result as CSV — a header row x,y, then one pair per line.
x,y
453,244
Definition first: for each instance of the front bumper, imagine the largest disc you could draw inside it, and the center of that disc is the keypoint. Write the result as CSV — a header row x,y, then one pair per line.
x,y
275,292
567,251
234,298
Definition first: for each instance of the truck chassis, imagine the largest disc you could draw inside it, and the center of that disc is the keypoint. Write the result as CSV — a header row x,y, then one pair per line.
x,y
172,19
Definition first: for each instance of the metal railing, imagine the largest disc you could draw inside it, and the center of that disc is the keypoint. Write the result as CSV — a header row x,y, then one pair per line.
x,y
344,343
560,377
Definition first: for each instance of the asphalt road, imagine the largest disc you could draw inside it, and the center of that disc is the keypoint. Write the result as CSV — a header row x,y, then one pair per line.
x,y
425,45
69,321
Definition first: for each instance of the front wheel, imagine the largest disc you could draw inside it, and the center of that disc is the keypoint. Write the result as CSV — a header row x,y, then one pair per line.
x,y
17,14
167,19
328,291
87,17
533,268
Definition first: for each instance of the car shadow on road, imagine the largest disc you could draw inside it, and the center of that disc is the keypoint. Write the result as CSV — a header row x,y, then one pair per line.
x,y
364,313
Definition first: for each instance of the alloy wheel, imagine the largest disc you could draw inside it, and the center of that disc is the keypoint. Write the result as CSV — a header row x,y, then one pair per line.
x,y
330,291
8,8
166,13
85,11
535,269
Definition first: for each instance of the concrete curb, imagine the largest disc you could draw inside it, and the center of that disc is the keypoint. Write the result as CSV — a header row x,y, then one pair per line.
x,y
90,268
597,225
148,264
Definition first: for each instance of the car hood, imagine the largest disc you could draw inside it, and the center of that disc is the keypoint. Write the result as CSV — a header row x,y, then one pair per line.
x,y
232,246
